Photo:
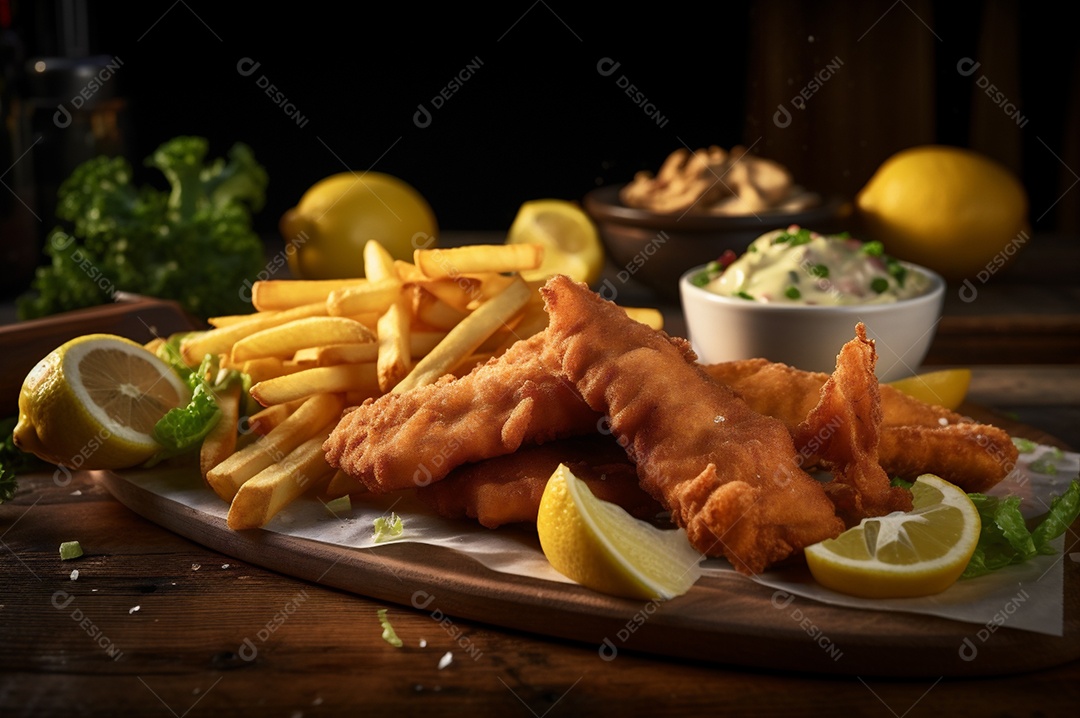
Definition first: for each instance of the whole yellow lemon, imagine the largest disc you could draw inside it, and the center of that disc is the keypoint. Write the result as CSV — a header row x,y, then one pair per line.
x,y
950,209
327,230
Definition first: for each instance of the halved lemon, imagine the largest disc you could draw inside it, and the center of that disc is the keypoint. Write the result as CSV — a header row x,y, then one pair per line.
x,y
946,387
571,241
902,555
92,403
601,546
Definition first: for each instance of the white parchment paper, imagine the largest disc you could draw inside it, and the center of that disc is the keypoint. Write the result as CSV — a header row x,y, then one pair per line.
x,y
1028,596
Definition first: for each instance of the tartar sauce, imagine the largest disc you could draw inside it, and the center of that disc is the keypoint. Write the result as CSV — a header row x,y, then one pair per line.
x,y
798,266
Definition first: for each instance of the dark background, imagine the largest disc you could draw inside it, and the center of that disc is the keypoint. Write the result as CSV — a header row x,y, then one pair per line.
x,y
537,119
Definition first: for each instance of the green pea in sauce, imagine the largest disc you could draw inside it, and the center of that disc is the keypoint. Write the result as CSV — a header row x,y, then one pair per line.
x,y
798,266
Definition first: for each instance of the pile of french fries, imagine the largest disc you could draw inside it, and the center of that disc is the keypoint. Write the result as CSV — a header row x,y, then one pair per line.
x,y
313,348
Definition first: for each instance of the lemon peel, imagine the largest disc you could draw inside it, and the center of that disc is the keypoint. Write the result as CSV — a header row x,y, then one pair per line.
x,y
946,387
601,546
903,555
93,401
570,239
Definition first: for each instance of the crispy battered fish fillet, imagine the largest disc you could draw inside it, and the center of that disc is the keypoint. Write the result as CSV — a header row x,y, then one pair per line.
x,y
788,393
841,431
507,489
973,456
399,441
728,475
915,437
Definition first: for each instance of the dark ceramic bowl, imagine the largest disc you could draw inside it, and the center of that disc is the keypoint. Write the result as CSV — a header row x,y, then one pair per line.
x,y
656,249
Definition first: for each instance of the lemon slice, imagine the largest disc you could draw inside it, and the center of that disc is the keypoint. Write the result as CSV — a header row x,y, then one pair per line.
x,y
570,239
902,555
92,403
601,546
946,388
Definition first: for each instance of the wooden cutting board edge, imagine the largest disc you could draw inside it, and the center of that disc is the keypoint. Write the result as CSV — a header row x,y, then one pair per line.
x,y
757,627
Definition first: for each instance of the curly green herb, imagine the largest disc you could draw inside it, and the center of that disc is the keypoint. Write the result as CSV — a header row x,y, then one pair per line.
x,y
194,243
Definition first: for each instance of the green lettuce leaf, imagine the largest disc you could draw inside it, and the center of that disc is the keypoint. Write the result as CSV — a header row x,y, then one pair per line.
x,y
183,428
1063,511
1005,538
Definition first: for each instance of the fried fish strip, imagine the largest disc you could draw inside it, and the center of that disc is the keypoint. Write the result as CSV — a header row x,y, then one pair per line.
x,y
729,475
507,489
915,437
789,394
975,457
411,439
842,430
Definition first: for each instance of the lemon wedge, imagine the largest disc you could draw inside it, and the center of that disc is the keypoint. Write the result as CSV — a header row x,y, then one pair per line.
x,y
92,403
946,388
599,545
903,555
570,239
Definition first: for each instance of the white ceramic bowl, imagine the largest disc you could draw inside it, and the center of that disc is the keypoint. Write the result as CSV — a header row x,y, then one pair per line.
x,y
724,329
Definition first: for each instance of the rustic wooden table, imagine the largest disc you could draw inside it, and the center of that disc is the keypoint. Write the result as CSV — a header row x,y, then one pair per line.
x,y
155,624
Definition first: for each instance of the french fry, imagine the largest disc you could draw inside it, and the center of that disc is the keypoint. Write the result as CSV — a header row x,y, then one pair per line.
x,y
285,339
220,443
228,320
471,362
261,497
368,319
339,354
265,368
408,273
491,285
378,264
268,418
339,379
221,340
463,339
420,344
302,424
533,321
478,259
395,353
341,484
459,292
434,312
371,296
307,357
279,294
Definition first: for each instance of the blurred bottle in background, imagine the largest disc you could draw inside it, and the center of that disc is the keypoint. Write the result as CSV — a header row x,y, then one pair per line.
x,y
19,230
62,104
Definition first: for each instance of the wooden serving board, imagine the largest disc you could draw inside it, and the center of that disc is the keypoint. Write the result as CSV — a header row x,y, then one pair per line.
x,y
727,620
